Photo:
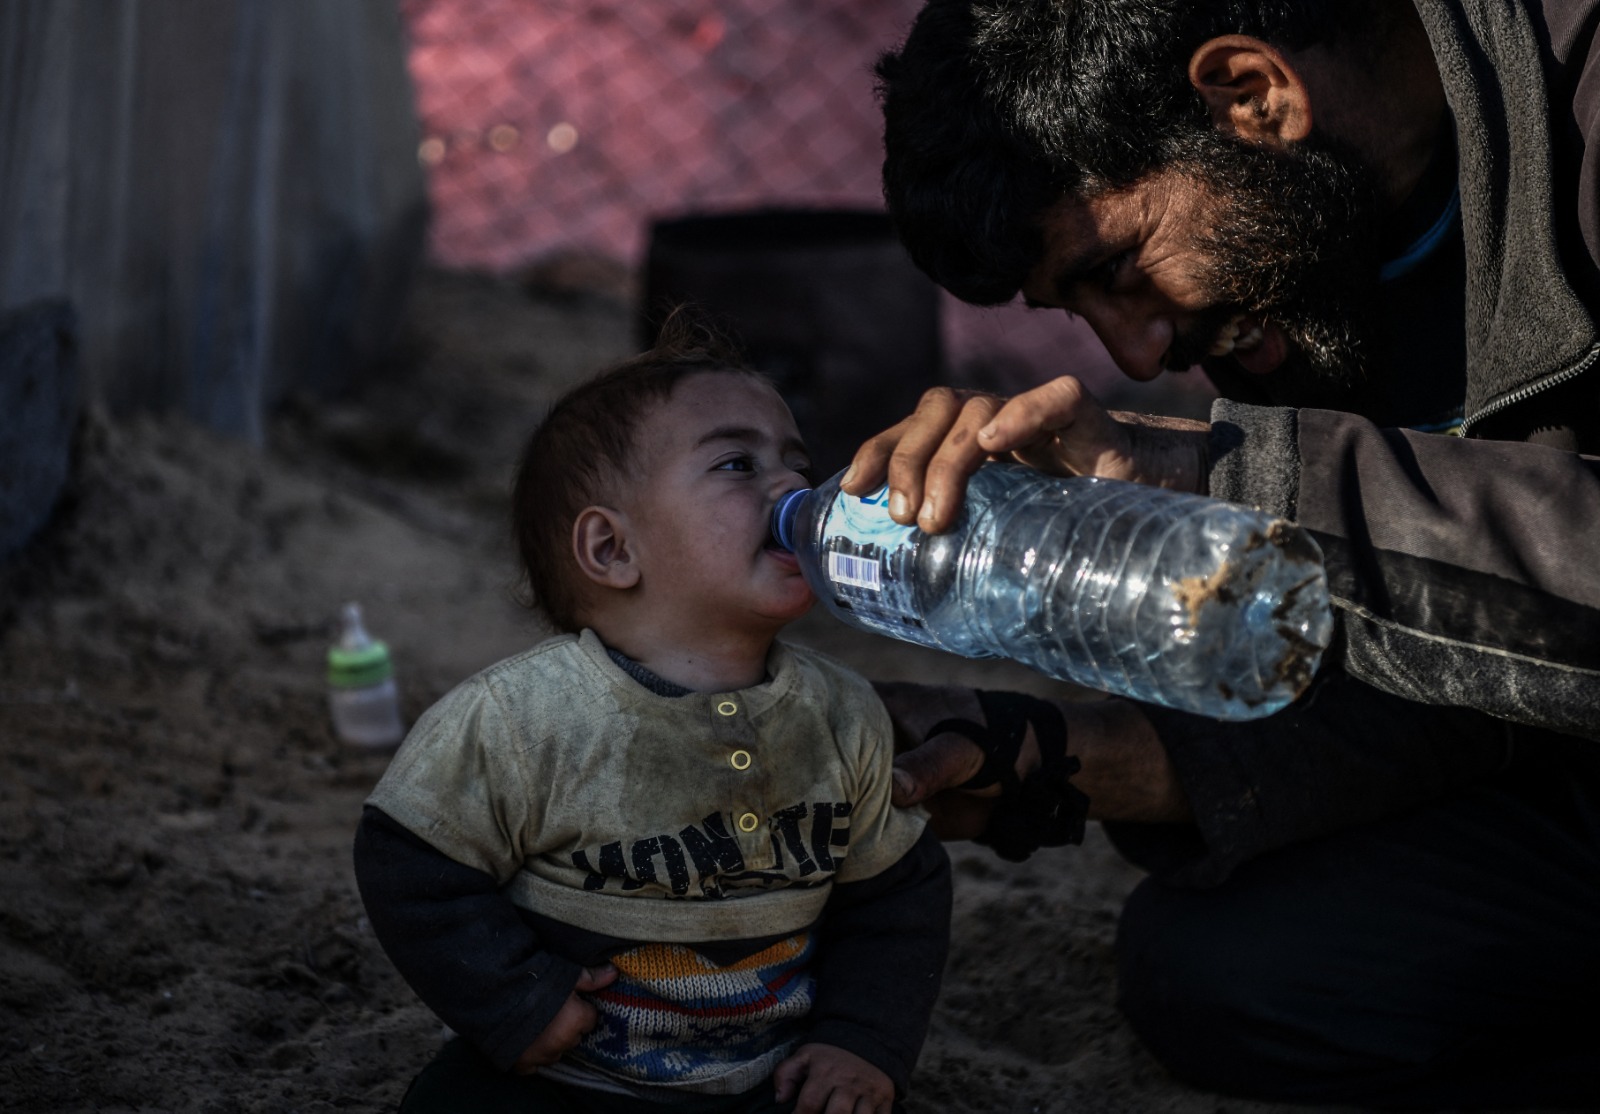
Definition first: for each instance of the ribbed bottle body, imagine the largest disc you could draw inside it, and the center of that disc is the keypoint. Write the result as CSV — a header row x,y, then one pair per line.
x,y
1160,596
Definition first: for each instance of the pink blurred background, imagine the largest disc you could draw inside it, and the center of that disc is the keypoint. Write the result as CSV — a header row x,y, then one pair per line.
x,y
563,128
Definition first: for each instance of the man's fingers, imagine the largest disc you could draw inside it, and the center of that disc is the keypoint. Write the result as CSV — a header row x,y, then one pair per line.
x,y
922,436
596,978
954,459
942,762
927,458
939,438
903,449
1038,413
869,468
1060,427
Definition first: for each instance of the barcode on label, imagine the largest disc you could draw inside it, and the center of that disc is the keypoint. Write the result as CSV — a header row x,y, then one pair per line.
x,y
858,572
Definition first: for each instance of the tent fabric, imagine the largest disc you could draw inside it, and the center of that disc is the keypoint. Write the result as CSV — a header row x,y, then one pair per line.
x,y
226,192
38,409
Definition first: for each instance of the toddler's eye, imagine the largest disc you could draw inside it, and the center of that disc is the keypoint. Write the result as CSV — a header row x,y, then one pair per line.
x,y
735,464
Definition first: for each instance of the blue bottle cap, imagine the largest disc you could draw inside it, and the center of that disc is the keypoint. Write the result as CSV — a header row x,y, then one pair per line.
x,y
783,516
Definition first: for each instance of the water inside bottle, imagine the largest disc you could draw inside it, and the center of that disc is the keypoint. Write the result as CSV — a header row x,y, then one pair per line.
x,y
1125,589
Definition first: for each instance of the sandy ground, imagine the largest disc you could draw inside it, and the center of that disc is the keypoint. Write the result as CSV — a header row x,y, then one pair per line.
x,y
180,930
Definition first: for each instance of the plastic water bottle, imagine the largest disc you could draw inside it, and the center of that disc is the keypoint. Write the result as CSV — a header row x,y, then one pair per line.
x,y
362,697
1161,596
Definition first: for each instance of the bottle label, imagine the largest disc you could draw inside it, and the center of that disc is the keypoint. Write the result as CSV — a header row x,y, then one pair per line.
x,y
857,572
869,566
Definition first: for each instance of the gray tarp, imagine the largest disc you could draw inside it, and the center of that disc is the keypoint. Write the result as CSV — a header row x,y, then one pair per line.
x,y
225,191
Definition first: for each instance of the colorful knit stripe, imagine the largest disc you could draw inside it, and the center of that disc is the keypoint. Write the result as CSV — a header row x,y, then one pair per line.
x,y
675,1017
654,962
702,997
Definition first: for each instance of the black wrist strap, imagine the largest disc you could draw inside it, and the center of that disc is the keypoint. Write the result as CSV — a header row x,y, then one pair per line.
x,y
1043,809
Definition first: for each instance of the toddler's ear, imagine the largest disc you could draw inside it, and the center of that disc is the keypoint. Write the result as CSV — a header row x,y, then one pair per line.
x,y
600,543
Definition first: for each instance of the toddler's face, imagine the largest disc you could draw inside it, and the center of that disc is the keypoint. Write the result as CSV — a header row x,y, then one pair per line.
x,y
714,459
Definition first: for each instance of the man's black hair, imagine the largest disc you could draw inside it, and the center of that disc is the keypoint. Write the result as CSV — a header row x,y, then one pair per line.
x,y
996,109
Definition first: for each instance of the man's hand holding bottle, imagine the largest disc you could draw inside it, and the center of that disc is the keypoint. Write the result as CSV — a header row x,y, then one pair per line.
x,y
1058,427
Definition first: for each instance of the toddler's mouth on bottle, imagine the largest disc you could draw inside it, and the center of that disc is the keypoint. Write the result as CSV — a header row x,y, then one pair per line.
x,y
783,556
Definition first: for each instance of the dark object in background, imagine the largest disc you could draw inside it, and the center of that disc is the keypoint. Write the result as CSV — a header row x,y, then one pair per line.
x,y
39,401
826,302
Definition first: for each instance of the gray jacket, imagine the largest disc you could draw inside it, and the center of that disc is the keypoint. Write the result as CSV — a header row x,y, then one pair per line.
x,y
1466,571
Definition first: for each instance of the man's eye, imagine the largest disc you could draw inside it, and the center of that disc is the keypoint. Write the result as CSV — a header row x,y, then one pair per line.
x,y
1106,273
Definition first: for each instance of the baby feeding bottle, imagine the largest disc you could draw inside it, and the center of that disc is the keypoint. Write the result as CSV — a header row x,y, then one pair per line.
x,y
361,691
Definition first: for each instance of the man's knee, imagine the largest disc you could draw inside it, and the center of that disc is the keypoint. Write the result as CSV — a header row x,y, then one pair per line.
x,y
1234,999
1263,992
1186,988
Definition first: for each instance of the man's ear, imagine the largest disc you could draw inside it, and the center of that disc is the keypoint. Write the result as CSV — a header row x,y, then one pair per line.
x,y
1251,90
600,543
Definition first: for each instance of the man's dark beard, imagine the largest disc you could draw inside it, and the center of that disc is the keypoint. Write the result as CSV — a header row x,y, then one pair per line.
x,y
1294,241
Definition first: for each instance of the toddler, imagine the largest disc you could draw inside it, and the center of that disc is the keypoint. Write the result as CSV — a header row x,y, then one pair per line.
x,y
651,863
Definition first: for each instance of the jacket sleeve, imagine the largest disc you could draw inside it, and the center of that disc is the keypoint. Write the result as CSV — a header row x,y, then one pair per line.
x,y
460,944
881,958
1463,572
1343,754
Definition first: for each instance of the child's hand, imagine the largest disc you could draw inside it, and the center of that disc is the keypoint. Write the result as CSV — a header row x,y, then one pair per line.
x,y
574,1019
830,1080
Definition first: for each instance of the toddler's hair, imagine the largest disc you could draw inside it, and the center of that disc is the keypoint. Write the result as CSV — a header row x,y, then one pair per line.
x,y
584,448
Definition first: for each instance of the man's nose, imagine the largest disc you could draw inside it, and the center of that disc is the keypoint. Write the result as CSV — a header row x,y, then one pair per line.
x,y
1137,342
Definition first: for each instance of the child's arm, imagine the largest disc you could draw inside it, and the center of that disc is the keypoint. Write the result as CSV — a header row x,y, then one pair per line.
x,y
883,942
467,952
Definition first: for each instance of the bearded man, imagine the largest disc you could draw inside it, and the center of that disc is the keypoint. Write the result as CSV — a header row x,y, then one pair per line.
x,y
1371,223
